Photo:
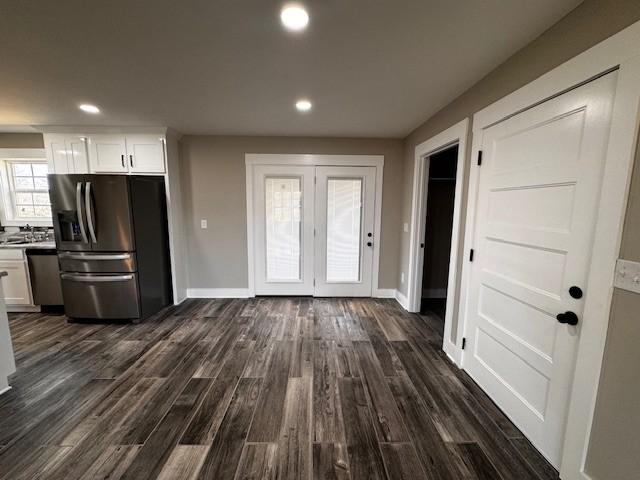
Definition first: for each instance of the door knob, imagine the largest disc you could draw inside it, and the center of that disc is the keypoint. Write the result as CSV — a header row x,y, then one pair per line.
x,y
569,318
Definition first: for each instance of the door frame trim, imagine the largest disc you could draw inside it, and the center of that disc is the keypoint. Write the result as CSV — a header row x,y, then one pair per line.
x,y
455,135
619,51
252,159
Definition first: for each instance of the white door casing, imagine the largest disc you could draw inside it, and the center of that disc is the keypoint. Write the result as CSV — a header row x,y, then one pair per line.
x,y
283,222
344,237
537,199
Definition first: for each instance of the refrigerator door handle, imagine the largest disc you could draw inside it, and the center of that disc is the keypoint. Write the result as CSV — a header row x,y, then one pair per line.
x,y
83,232
87,202
78,256
95,278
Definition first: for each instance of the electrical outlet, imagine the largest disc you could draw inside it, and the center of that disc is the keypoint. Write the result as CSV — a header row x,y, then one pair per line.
x,y
402,277
203,224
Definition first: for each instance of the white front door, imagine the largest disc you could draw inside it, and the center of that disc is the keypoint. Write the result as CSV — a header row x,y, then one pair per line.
x,y
345,198
314,230
539,187
283,222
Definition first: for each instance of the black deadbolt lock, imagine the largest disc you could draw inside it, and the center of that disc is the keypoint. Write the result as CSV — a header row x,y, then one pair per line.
x,y
369,234
575,292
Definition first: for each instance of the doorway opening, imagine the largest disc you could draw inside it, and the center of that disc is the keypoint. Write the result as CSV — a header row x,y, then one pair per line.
x,y
441,191
314,224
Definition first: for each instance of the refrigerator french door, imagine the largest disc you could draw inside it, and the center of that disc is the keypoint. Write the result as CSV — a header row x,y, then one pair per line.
x,y
111,237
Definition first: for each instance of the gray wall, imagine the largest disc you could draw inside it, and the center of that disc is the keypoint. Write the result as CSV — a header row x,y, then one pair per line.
x,y
214,188
613,451
21,140
587,25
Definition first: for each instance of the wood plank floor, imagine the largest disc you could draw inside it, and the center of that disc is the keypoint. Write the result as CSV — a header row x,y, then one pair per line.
x,y
292,388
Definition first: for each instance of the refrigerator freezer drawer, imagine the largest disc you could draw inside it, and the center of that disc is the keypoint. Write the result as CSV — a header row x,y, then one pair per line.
x,y
109,297
87,262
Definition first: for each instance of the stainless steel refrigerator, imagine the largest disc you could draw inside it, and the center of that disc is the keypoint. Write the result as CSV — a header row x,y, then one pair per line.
x,y
112,244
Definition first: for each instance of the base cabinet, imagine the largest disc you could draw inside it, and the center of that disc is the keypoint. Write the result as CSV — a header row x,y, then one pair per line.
x,y
15,284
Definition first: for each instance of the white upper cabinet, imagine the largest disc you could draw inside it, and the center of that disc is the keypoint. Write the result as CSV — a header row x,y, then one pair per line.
x,y
66,153
126,154
145,153
105,152
108,154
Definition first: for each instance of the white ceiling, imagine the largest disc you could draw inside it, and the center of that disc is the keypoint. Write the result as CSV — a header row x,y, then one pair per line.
x,y
371,67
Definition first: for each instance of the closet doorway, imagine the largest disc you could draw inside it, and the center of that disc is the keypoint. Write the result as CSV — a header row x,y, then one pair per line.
x,y
436,226
441,191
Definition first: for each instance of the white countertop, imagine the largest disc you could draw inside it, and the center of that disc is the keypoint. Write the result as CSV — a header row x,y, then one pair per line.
x,y
23,246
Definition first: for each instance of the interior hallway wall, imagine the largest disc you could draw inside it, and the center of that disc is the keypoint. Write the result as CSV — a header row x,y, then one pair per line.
x,y
617,422
613,450
214,189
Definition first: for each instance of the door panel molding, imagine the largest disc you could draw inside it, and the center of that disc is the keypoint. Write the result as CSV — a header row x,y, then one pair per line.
x,y
620,52
254,159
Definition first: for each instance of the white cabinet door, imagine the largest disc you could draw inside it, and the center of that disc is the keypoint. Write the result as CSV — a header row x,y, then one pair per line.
x,y
77,155
108,154
67,153
344,219
145,154
537,202
56,152
16,284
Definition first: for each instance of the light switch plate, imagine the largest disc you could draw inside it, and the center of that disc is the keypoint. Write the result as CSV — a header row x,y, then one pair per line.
x,y
406,227
203,224
627,275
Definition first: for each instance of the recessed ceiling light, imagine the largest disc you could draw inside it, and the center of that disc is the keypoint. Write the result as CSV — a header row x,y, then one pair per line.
x,y
303,105
85,107
294,17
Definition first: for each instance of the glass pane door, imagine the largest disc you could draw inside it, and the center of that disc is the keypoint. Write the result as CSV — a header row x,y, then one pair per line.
x,y
283,203
345,198
283,222
344,229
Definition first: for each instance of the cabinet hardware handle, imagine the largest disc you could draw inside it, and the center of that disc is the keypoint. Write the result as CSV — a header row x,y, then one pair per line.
x,y
131,160
122,160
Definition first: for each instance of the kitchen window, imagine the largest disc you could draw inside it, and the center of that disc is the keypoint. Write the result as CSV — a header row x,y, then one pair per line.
x,y
29,190
25,191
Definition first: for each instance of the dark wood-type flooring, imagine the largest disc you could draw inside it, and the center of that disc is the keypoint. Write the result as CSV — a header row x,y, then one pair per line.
x,y
294,388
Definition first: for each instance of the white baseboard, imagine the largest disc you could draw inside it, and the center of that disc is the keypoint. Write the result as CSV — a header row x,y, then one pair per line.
x,y
4,385
23,308
453,352
246,293
218,293
402,300
385,293
178,301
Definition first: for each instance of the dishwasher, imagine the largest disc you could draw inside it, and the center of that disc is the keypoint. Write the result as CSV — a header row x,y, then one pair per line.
x,y
44,272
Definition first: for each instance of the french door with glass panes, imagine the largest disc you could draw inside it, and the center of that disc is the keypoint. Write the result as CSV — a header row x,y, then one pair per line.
x,y
313,230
